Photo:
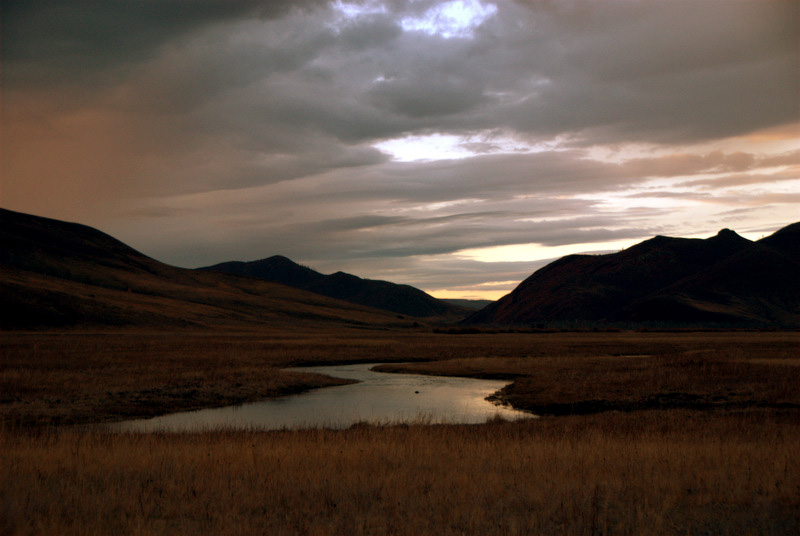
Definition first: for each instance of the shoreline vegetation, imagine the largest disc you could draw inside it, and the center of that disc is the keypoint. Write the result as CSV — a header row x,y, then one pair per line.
x,y
72,377
642,433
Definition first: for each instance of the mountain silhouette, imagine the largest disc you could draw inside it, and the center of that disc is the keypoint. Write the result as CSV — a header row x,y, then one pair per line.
x,y
759,285
60,274
400,299
471,304
725,280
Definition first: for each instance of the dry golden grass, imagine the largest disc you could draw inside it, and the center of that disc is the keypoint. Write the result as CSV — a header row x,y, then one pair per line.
x,y
73,377
68,379
700,371
731,468
676,472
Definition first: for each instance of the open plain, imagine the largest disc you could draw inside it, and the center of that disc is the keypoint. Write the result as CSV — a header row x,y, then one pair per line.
x,y
642,433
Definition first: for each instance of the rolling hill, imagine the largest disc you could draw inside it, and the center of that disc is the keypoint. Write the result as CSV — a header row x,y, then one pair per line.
x,y
58,274
725,281
401,299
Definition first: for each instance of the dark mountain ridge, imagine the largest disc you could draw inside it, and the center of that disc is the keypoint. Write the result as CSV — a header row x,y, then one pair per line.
x,y
277,268
59,274
759,285
400,299
724,280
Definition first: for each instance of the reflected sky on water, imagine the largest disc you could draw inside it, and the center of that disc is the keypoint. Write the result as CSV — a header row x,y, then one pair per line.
x,y
378,398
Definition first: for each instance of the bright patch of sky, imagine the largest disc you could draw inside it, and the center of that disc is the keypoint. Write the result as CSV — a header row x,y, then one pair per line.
x,y
352,11
424,148
457,18
451,19
432,147
472,293
538,252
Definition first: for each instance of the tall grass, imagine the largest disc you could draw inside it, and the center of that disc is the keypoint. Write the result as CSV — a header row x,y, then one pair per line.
x,y
676,472
730,469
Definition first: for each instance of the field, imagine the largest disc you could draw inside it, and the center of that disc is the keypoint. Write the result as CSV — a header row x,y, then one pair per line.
x,y
651,433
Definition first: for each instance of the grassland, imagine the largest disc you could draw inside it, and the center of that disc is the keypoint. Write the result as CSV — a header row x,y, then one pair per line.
x,y
677,472
669,433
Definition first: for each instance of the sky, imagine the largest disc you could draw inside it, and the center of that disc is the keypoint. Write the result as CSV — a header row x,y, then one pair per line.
x,y
456,146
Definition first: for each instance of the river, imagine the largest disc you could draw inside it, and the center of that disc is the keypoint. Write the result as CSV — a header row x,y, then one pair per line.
x,y
377,398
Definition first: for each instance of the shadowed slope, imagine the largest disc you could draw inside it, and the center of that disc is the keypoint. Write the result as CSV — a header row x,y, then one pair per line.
x,y
723,279
277,269
759,285
402,299
64,274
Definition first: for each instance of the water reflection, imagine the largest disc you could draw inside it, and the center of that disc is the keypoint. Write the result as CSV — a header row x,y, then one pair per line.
x,y
378,398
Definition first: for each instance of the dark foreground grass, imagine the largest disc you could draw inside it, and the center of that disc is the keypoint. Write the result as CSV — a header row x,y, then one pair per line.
x,y
673,472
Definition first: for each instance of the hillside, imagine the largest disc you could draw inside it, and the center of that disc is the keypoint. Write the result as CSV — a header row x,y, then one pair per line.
x,y
401,299
474,305
759,285
58,274
725,280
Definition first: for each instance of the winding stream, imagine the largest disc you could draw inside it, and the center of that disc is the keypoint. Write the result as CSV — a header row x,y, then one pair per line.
x,y
377,398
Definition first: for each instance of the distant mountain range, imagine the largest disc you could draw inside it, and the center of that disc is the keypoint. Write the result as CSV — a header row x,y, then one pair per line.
x,y
58,274
725,281
467,304
401,299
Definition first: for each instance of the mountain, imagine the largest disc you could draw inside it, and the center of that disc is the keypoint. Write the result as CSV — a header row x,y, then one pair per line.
x,y
400,299
725,280
278,269
759,286
468,304
59,274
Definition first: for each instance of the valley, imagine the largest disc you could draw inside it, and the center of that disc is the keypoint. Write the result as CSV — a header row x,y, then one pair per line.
x,y
621,466
656,427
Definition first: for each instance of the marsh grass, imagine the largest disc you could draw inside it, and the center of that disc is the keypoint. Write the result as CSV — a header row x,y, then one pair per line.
x,y
675,472
73,377
699,371
728,466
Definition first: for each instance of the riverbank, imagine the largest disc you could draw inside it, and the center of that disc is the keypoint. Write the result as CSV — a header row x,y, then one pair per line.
x,y
728,468
79,378
712,371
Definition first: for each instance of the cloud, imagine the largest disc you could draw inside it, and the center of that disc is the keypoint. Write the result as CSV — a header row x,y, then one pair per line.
x,y
243,128
70,41
426,96
634,70
744,179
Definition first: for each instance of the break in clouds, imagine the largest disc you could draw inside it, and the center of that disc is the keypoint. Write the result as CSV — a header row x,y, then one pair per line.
x,y
455,146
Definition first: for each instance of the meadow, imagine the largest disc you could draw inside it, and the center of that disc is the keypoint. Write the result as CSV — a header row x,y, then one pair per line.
x,y
668,433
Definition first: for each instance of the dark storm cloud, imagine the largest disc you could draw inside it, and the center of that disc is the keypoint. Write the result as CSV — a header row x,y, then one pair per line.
x,y
57,41
370,32
433,96
662,71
